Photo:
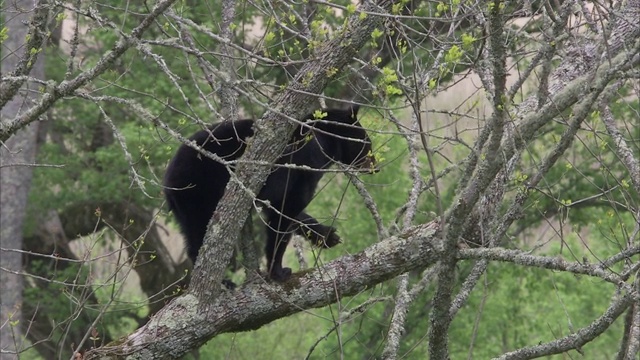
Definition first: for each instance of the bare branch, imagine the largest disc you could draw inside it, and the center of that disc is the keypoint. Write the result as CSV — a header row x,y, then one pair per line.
x,y
580,337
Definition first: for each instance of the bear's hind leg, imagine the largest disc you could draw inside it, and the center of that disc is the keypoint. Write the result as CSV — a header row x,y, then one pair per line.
x,y
277,240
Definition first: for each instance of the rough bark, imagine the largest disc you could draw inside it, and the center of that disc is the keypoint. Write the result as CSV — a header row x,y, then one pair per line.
x,y
17,156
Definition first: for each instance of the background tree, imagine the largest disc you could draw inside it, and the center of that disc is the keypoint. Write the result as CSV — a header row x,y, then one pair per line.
x,y
21,20
524,186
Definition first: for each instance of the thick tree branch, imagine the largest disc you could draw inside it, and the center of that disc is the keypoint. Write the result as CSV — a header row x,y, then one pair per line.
x,y
188,322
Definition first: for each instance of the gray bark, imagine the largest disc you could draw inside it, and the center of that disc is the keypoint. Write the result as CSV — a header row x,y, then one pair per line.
x,y
16,155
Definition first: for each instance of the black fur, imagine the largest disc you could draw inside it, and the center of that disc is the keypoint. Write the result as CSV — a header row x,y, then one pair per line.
x,y
194,183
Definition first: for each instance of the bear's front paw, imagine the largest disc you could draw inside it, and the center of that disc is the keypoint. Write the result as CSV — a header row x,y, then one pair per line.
x,y
280,275
332,239
329,240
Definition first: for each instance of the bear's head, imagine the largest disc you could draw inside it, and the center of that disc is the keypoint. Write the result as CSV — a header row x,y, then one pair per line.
x,y
347,141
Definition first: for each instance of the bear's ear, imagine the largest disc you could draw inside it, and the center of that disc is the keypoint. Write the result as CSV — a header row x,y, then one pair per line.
x,y
354,110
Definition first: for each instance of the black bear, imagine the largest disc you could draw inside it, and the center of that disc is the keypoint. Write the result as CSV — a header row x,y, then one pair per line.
x,y
194,183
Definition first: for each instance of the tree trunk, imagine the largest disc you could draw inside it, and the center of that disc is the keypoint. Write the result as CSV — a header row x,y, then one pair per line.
x,y
15,176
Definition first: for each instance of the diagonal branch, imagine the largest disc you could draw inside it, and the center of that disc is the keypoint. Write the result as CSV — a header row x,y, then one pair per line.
x,y
268,144
580,337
